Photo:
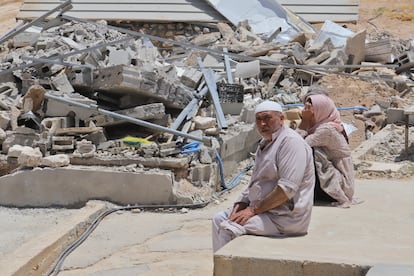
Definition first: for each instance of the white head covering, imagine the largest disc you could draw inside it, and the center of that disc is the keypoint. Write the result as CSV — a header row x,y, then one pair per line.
x,y
268,106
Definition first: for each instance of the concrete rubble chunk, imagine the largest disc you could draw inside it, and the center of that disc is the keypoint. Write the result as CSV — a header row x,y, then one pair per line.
x,y
206,39
225,30
29,157
191,77
4,120
85,149
62,143
61,83
204,122
58,109
261,50
25,39
130,80
55,161
379,51
118,56
355,47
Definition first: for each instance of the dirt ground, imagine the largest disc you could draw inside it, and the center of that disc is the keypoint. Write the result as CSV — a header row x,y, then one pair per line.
x,y
376,16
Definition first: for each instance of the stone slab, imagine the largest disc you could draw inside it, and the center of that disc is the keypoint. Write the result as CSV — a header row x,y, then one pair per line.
x,y
75,185
339,242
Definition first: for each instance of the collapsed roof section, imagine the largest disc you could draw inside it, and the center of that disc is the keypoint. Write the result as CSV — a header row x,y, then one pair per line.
x,y
188,10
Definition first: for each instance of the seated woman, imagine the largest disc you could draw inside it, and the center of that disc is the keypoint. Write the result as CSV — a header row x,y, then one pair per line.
x,y
322,129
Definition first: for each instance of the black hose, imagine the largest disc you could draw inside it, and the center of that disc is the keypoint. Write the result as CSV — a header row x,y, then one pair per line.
x,y
58,265
235,181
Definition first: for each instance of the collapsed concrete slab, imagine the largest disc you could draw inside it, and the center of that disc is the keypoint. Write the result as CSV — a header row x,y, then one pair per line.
x,y
74,186
131,80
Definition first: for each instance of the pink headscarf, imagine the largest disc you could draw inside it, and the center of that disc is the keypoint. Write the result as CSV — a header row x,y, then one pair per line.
x,y
325,111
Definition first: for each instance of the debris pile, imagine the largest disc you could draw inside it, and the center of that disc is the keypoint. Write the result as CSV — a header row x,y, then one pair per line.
x,y
88,93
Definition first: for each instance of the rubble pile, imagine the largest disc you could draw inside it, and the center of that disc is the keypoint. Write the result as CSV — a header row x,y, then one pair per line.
x,y
79,93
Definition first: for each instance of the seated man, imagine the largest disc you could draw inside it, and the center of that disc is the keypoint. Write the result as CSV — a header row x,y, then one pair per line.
x,y
279,198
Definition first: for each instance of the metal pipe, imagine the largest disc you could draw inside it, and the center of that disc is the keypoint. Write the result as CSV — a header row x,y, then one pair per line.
x,y
227,65
204,139
210,79
64,7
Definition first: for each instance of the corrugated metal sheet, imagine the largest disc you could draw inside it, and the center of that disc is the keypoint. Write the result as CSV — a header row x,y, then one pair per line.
x,y
134,10
321,10
184,10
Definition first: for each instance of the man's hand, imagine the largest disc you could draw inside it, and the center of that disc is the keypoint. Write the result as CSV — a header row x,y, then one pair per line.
x,y
241,217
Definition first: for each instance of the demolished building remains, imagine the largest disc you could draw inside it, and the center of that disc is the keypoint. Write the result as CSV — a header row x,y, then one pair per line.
x,y
171,100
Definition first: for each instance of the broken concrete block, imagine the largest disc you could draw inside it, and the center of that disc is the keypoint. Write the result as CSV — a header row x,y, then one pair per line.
x,y
355,47
90,59
213,131
168,151
2,135
379,51
29,157
338,57
96,137
261,50
319,58
54,123
85,149
8,89
63,143
118,57
296,50
148,150
25,39
204,122
80,77
205,155
71,43
201,174
55,161
129,80
246,35
4,120
61,83
374,111
22,136
206,39
225,30
15,151
145,53
191,77
145,112
405,62
395,115
60,109
317,47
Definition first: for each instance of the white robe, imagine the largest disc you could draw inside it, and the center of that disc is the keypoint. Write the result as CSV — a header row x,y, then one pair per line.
x,y
286,162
